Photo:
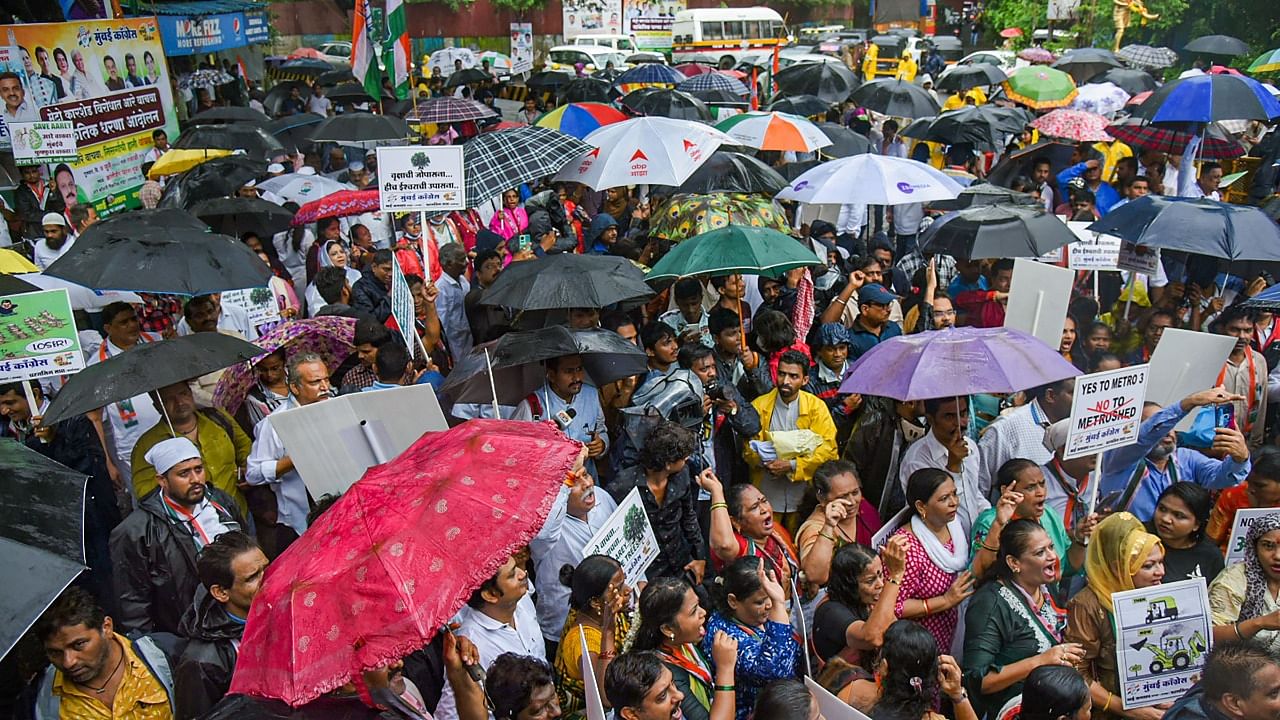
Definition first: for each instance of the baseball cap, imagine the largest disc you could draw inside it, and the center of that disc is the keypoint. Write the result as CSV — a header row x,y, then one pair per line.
x,y
53,219
875,293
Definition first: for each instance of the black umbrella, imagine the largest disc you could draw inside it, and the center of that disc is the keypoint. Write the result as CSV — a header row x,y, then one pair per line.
x,y
897,98
1203,226
351,92
1019,162
146,367
733,172
831,82
255,141
10,285
335,77
306,66
802,105
568,281
280,91
667,103
467,76
585,90
237,215
996,231
159,251
1083,63
294,131
229,114
246,707
719,96
608,75
984,194
966,125
844,142
1217,45
1131,81
215,178
42,526
1008,118
361,129
793,170
548,80
959,78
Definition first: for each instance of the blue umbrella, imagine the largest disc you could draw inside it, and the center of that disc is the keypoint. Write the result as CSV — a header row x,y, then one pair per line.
x,y
709,82
1209,98
1203,226
1268,299
650,74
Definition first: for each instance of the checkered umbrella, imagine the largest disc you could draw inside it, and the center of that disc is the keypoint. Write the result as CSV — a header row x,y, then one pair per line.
x,y
1218,143
714,81
498,161
649,74
1145,56
450,110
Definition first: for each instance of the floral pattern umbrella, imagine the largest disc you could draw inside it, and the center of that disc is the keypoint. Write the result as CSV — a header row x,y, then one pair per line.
x,y
1076,125
684,216
1040,88
340,204
1037,55
330,336
1101,98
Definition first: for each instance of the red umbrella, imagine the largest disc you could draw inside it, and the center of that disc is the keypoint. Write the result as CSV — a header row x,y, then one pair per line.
x,y
505,125
692,69
1139,98
306,52
340,204
1011,32
378,574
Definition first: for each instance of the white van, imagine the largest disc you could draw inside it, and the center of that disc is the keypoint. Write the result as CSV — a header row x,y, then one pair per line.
x,y
724,35
625,44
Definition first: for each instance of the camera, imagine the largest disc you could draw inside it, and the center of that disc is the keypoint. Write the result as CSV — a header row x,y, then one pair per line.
x,y
714,390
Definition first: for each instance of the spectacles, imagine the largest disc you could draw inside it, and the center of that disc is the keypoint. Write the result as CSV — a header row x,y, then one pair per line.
x,y
944,313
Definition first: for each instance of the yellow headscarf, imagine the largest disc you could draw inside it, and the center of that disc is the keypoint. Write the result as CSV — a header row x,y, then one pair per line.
x,y
1117,550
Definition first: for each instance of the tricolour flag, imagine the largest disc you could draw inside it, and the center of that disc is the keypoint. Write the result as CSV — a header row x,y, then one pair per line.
x,y
364,62
396,53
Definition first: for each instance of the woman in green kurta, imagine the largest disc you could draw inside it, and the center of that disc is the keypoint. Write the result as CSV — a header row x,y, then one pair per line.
x,y
1012,625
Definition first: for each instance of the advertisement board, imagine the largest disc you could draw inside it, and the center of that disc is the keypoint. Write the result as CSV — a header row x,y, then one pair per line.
x,y
650,23
591,17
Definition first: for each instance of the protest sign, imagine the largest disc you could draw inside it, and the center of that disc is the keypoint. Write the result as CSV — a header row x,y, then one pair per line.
x,y
1138,258
628,538
1094,251
42,142
1106,411
1184,362
594,17
333,442
421,177
521,47
259,304
402,305
1245,517
830,706
594,703
1038,300
649,23
1163,633
38,336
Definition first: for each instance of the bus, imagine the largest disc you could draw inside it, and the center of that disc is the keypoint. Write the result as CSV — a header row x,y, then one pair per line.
x,y
724,35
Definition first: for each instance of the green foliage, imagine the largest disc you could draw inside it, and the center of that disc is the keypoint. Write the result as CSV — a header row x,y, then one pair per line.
x,y
420,160
633,525
520,6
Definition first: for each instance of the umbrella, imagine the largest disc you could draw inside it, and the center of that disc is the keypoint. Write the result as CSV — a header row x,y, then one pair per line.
x,y
498,62
467,76
714,81
844,142
1100,98
1217,45
1083,63
684,216
1218,144
404,547
1206,98
984,194
229,114
237,215
959,78
294,131
146,367
1040,88
1019,162
653,150
582,90
1075,125
1267,62
82,298
716,99
1011,32
1130,81
1036,55
1145,56
335,77
956,362
873,180
792,170
666,103
498,161
253,139
648,74
996,231
831,82
580,119
897,98
175,161
567,281
802,105
690,69
443,60
733,173
343,203
774,131
361,129
1203,226
966,125
276,95
450,109
548,80
302,66
14,285
160,251
42,524
350,93
1139,98
302,189
306,52
1268,300
731,250
329,336
219,177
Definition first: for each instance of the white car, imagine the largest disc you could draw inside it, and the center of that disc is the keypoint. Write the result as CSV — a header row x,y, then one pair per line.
x,y
593,57
338,51
1004,59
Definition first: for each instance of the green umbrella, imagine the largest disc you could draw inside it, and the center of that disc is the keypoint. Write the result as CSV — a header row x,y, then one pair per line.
x,y
1040,88
1267,62
730,250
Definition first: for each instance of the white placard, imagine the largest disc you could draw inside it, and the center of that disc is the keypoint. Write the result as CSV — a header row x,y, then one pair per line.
x,y
1240,529
1094,251
1038,300
594,703
832,707
628,538
1185,362
1106,411
259,304
402,305
521,47
421,177
1138,258
44,142
1163,634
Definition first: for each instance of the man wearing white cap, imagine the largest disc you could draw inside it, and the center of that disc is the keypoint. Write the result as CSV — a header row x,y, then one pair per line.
x,y
55,242
154,550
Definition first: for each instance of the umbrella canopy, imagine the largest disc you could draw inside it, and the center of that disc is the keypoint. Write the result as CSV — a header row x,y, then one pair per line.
x,y
690,69
996,231
648,74
1036,55
329,336
1040,88
215,178
844,142
14,285
82,298
966,125
1217,45
684,216
1011,32
792,170
959,78
1130,81
237,215
715,99
1267,62
253,139
304,66
12,262
714,81
351,92
42,526
343,203
1203,226
802,105
146,367
653,150
956,362
1218,143
581,119
361,129
229,114
871,179
276,95
405,547
1083,63
582,90
1100,98
733,173
774,131
335,77
1076,125
449,109
1208,98
498,62
831,82
467,76
667,103
1145,56
731,250
175,161
567,281
498,161
1268,300
294,130
1019,162
444,59
161,251
302,189
984,194
548,80
897,98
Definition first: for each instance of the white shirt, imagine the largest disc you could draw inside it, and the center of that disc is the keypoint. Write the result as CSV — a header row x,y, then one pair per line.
x,y
453,315
43,255
26,112
560,543
1016,434
290,490
907,218
852,217
233,320
319,105
127,420
493,638
927,452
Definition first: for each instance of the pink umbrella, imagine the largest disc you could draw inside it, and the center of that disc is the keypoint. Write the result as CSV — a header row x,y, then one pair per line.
x,y
1076,125
692,69
340,204
1037,55
1011,32
330,337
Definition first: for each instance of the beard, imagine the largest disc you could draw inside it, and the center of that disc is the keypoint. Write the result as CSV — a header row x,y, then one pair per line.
x,y
1161,452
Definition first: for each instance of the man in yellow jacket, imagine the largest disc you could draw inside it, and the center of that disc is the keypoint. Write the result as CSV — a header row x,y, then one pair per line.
x,y
787,407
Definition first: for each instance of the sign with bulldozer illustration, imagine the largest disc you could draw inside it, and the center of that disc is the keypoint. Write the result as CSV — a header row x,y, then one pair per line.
x,y
1163,635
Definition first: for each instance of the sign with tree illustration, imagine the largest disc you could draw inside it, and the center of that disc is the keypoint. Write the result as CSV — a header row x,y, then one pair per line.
x,y
1163,634
417,177
628,538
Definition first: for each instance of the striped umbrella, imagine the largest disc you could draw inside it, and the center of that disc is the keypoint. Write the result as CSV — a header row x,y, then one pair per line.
x,y
714,81
580,119
1138,133
1267,62
449,110
1145,56
648,75
1040,88
497,61
774,131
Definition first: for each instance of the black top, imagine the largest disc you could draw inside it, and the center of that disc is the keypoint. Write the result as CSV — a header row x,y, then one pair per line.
x,y
675,521
1203,559
830,622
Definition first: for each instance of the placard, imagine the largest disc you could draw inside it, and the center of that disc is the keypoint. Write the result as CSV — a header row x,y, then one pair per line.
x,y
591,691
44,142
38,336
628,538
649,23
1163,634
1038,300
402,305
1240,529
521,47
594,17
420,177
259,304
830,706
1095,251
1138,258
1106,411
1185,362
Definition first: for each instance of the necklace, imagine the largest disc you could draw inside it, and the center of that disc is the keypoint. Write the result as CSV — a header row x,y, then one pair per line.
x,y
113,674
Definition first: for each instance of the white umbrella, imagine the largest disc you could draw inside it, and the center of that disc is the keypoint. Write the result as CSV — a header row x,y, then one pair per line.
x,y
647,150
82,298
443,58
302,189
871,180
1101,98
775,131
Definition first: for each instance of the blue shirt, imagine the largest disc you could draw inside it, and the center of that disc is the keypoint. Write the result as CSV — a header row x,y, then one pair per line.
x,y
958,285
861,340
1120,465
1105,197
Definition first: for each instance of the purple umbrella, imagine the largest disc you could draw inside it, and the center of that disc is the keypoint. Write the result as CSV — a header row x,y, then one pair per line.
x,y
959,361
330,336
